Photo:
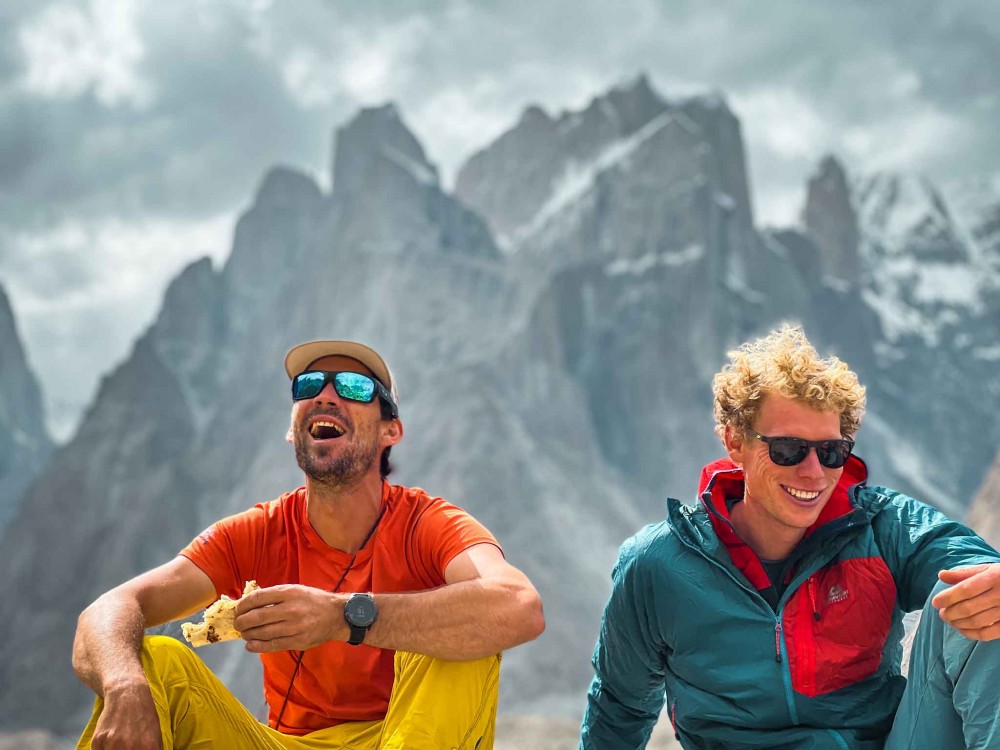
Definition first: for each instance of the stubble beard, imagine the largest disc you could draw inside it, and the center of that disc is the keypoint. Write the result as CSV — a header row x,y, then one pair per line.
x,y
344,470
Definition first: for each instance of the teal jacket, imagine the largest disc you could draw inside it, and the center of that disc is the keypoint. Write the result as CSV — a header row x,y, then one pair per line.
x,y
693,620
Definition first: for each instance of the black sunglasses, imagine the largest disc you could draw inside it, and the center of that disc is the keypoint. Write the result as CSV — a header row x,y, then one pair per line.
x,y
789,451
350,385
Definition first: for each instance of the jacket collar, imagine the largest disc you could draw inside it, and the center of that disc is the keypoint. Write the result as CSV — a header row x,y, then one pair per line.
x,y
710,529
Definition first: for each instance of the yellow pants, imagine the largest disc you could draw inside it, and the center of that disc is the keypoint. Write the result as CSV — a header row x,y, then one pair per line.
x,y
434,704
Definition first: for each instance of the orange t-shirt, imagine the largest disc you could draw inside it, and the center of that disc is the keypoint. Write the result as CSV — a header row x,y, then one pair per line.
x,y
274,543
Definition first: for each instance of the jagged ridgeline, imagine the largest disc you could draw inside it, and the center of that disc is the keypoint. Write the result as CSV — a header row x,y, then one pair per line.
x,y
554,325
25,444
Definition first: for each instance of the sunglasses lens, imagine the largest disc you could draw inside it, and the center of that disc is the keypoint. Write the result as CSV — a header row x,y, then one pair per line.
x,y
787,451
308,385
354,386
834,454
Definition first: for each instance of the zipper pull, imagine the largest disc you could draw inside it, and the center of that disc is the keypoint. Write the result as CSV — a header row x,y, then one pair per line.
x,y
812,599
777,642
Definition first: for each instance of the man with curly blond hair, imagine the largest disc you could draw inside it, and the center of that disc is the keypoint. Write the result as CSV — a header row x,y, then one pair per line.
x,y
770,616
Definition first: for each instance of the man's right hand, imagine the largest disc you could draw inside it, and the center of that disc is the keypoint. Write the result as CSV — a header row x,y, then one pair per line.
x,y
129,720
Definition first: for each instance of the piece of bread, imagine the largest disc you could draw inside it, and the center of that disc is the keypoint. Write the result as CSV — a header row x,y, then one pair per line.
x,y
217,625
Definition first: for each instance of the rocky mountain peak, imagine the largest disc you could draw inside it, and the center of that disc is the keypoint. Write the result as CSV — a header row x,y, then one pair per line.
x,y
535,116
283,187
720,129
376,133
8,332
190,329
635,104
906,213
511,180
24,442
831,222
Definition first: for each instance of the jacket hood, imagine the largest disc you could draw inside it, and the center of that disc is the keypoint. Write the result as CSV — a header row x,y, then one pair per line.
x,y
722,480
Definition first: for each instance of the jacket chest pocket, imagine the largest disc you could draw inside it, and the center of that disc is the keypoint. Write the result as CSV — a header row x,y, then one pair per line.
x,y
836,625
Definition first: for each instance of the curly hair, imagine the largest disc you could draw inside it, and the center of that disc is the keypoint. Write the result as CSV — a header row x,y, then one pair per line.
x,y
785,363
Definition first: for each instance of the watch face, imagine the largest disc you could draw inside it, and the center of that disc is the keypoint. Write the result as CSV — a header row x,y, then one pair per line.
x,y
360,611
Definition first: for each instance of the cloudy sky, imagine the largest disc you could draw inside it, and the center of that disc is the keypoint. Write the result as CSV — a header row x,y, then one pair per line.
x,y
133,132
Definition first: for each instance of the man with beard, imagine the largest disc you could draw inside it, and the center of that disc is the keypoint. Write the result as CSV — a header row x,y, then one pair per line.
x,y
381,615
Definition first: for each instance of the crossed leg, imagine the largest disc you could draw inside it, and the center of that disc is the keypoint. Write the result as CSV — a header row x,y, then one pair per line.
x,y
951,698
434,704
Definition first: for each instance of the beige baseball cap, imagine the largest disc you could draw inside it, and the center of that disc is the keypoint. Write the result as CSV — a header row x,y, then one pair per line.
x,y
300,357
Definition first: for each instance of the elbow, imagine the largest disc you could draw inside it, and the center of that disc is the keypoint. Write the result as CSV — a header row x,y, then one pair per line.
x,y
537,618
79,642
532,616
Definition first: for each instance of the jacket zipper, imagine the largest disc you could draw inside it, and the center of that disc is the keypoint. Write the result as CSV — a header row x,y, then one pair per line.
x,y
780,656
842,524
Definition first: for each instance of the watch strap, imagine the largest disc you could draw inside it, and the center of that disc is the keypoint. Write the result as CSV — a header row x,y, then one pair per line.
x,y
358,634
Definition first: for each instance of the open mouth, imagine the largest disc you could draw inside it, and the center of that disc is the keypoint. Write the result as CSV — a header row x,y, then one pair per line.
x,y
803,496
325,431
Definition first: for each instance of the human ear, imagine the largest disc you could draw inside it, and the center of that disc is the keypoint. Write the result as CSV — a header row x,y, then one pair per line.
x,y
392,431
735,442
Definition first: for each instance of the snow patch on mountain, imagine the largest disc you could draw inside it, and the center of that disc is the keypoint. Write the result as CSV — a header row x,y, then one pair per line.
x,y
923,272
907,460
418,170
578,178
891,208
645,263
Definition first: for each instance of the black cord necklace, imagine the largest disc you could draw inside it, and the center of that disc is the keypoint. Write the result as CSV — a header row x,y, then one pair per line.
x,y
343,576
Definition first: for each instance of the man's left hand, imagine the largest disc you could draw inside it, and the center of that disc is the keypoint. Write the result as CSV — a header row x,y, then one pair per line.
x,y
290,617
972,604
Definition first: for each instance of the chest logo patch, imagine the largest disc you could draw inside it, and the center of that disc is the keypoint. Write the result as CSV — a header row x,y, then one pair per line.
x,y
836,594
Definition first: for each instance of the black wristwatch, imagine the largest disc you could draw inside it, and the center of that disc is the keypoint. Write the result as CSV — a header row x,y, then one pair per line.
x,y
360,613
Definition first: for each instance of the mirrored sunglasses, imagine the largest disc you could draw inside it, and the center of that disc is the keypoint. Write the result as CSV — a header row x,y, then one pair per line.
x,y
350,385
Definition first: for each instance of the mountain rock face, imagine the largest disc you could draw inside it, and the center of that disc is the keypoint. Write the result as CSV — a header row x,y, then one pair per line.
x,y
554,328
933,288
511,179
25,445
543,166
830,219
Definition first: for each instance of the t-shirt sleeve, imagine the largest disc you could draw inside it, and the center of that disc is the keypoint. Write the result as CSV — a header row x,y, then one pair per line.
x,y
228,551
442,532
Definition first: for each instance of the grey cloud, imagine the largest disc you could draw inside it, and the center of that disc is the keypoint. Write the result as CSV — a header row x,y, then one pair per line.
x,y
219,117
57,270
12,13
221,113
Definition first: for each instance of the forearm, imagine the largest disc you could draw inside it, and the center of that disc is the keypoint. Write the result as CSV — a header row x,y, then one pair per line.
x,y
608,725
460,621
108,643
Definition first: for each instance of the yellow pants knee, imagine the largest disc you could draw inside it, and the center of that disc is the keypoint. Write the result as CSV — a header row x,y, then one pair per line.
x,y
434,704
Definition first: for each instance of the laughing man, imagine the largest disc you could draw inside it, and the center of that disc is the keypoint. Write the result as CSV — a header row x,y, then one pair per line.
x,y
382,610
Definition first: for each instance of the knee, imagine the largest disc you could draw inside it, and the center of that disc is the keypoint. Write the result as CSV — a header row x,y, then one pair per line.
x,y
938,588
162,654
408,661
164,645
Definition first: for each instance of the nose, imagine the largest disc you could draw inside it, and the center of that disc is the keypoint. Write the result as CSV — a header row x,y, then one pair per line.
x,y
328,394
810,467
